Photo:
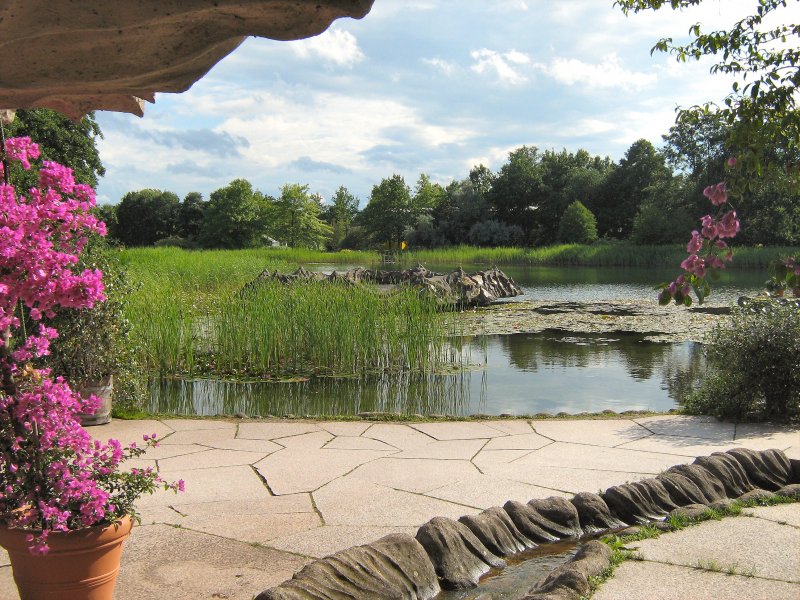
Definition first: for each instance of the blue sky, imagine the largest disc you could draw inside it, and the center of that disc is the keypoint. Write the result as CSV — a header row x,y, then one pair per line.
x,y
416,86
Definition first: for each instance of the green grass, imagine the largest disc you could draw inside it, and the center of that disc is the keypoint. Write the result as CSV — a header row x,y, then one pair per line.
x,y
188,317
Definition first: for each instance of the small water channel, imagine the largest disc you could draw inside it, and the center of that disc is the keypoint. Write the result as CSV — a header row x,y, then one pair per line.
x,y
524,570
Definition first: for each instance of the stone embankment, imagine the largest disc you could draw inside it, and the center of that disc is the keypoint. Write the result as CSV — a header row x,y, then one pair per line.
x,y
448,554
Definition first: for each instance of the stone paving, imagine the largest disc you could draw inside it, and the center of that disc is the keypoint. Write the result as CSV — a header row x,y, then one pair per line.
x,y
263,498
754,558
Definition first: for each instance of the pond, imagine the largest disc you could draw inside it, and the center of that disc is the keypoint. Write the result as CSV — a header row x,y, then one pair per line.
x,y
596,284
518,374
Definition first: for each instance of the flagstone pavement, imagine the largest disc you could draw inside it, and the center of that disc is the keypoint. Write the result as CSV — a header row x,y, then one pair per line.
x,y
263,498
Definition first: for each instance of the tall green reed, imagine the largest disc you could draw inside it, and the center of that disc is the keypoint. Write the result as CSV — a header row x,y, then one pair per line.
x,y
190,315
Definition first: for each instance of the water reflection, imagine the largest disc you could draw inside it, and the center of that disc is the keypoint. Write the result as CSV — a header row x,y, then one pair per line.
x,y
518,374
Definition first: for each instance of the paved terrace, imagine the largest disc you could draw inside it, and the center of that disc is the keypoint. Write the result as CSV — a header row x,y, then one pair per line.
x,y
263,498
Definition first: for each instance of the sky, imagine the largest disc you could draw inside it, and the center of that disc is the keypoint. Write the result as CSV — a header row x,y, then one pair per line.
x,y
417,86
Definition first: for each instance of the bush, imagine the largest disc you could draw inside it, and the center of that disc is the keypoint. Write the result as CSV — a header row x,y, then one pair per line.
x,y
95,342
578,225
754,366
494,234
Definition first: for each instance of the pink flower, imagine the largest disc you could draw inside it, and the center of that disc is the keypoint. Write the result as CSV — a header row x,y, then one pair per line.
x,y
718,194
709,229
728,226
731,162
53,468
695,244
694,265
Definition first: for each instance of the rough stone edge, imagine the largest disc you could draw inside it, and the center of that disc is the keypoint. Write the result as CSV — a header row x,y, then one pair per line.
x,y
568,581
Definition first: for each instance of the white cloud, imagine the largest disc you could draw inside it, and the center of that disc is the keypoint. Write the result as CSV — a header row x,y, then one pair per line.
x,y
335,46
608,73
343,128
514,5
504,65
445,66
492,158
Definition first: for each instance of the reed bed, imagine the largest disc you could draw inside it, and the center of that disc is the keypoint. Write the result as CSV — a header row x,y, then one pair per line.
x,y
602,254
189,316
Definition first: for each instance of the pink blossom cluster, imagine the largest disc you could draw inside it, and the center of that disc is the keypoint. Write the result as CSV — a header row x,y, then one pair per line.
x,y
707,249
53,475
793,264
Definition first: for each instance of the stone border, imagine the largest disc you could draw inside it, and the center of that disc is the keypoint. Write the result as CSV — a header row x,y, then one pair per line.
x,y
447,554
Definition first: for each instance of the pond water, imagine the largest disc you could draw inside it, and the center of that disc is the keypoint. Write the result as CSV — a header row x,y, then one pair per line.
x,y
596,284
519,374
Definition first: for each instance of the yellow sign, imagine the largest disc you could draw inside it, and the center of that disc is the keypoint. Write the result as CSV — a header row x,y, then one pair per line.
x,y
403,245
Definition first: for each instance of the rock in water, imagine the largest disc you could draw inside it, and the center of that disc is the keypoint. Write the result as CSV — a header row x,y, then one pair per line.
x,y
457,289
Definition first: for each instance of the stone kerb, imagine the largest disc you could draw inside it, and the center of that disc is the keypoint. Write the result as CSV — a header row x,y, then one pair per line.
x,y
447,554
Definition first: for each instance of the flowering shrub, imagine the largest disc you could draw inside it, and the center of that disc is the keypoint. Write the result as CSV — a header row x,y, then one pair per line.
x,y
53,475
708,251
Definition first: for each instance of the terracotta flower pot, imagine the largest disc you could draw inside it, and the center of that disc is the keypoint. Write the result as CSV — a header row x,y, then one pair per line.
x,y
81,565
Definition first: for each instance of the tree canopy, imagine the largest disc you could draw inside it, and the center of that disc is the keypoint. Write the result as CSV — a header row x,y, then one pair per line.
x,y
296,218
762,52
236,217
61,140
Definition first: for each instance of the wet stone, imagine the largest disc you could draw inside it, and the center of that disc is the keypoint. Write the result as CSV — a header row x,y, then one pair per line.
x,y
756,494
458,556
593,513
495,529
571,580
728,471
529,522
790,491
559,516
395,567
768,469
707,482
692,511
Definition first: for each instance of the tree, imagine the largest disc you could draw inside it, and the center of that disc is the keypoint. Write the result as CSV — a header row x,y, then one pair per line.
x,y
146,216
482,179
389,211
236,217
769,205
665,214
191,216
517,188
761,109
427,195
566,177
626,187
342,211
578,225
296,218
61,140
464,204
